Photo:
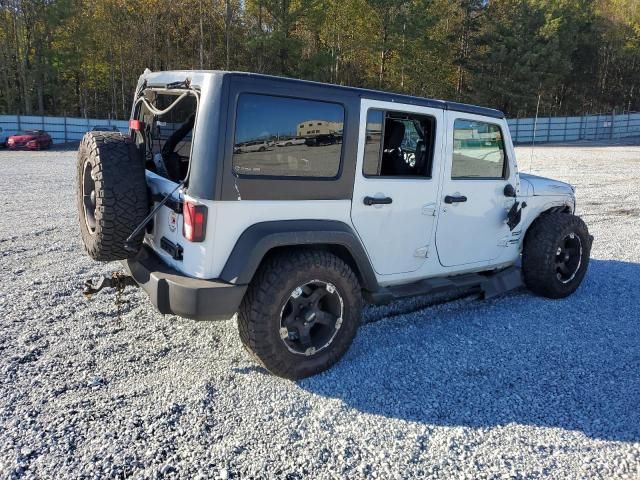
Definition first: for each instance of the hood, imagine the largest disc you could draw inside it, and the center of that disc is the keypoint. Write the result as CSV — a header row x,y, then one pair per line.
x,y
541,186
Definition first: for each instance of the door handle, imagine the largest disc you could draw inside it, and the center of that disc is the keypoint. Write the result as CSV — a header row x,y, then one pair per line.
x,y
456,199
377,201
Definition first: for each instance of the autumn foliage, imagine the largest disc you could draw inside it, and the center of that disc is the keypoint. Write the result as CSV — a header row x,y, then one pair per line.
x,y
83,57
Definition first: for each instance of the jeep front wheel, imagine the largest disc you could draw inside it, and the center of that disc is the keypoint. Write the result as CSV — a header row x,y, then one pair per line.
x,y
556,255
300,313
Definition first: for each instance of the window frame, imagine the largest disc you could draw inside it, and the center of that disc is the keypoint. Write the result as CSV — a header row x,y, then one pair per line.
x,y
505,160
287,177
381,145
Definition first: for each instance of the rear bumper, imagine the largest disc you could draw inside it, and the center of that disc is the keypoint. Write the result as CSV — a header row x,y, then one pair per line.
x,y
174,293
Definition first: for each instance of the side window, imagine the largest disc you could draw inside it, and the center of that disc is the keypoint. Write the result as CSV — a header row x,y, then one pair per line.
x,y
264,124
478,151
398,144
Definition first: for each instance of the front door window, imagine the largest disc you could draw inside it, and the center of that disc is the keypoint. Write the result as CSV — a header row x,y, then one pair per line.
x,y
478,150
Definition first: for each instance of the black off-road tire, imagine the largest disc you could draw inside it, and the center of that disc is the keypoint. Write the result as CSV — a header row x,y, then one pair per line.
x,y
270,289
542,242
121,197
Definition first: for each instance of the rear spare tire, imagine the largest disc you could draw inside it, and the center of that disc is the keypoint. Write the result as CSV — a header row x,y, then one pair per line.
x,y
111,194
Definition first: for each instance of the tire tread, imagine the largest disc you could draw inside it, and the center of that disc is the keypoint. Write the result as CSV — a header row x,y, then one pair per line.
x,y
538,256
121,194
260,302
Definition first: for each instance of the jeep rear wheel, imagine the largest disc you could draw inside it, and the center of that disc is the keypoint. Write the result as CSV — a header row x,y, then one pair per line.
x,y
556,255
300,313
111,195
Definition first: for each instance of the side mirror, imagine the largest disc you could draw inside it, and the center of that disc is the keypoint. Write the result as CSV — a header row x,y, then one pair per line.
x,y
509,191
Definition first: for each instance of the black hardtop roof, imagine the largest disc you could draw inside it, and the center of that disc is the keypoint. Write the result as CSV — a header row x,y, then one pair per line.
x,y
362,92
383,96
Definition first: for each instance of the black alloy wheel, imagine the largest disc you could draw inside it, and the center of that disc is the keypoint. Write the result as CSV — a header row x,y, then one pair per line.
x,y
311,317
568,258
555,256
301,312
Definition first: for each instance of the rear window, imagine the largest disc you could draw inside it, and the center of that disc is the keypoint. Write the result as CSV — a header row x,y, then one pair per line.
x,y
313,129
169,123
166,139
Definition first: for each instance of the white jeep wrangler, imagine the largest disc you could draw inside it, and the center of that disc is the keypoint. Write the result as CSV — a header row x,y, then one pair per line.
x,y
390,196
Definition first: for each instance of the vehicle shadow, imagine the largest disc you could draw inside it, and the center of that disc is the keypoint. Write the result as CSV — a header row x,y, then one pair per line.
x,y
572,364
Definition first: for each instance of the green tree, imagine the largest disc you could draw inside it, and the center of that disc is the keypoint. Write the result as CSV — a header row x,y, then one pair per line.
x,y
82,57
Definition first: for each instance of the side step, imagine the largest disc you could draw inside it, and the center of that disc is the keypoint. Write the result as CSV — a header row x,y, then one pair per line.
x,y
490,285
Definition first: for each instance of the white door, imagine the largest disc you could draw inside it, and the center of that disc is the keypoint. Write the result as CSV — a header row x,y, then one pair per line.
x,y
396,184
471,224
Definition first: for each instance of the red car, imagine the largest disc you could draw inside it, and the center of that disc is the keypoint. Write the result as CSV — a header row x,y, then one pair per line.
x,y
30,139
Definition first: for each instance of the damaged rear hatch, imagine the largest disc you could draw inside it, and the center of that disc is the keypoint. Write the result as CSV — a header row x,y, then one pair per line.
x,y
163,124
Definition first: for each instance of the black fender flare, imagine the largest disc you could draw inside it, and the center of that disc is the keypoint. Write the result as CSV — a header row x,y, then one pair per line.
x,y
257,240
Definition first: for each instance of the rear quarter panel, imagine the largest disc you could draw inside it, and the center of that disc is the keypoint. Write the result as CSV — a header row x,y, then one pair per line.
x,y
226,221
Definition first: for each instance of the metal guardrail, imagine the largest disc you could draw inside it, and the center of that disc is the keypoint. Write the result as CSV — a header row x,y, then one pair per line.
x,y
523,130
61,129
570,129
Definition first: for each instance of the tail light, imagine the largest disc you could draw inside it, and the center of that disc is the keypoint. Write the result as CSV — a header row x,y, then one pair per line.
x,y
195,221
136,125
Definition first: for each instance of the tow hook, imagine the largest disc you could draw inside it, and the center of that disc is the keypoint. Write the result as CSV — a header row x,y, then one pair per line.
x,y
118,280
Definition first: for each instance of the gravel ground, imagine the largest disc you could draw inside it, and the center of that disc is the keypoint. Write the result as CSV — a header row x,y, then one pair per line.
x,y
513,387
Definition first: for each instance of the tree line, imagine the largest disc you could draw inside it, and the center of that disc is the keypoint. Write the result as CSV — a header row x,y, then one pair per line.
x,y
83,57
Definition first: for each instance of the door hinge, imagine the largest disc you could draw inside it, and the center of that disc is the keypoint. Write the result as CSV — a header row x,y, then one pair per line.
x,y
422,252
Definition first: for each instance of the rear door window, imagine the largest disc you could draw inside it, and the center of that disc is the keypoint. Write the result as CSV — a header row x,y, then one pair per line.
x,y
399,145
314,130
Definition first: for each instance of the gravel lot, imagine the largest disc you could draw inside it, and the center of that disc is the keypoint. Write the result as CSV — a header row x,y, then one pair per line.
x,y
514,387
